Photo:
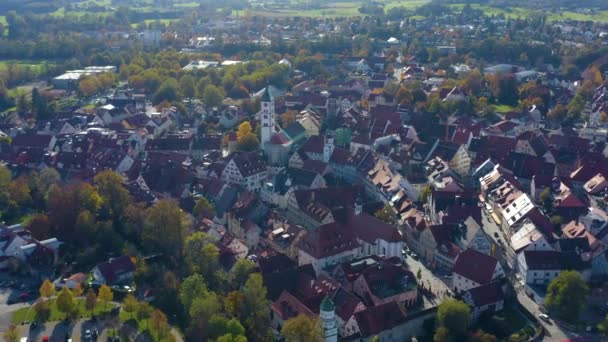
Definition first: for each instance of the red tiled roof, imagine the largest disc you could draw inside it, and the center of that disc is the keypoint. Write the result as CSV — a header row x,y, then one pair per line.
x,y
475,266
486,294
377,319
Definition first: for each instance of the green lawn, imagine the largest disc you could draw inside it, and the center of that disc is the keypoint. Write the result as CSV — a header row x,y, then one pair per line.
x,y
330,9
502,108
3,20
29,314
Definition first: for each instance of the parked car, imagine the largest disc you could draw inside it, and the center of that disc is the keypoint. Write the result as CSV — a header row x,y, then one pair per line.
x,y
545,317
88,335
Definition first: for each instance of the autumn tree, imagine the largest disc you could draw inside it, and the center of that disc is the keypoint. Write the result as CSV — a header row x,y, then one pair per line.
x,y
40,226
47,289
248,143
129,304
77,291
302,329
90,301
65,301
288,118
243,130
557,113
144,311
566,295
105,295
43,310
12,334
159,323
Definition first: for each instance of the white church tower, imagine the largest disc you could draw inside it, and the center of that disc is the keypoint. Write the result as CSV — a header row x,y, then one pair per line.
x,y
328,147
327,314
267,117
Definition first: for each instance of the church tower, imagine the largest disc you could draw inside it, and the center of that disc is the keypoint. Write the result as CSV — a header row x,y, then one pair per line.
x,y
327,314
267,117
328,147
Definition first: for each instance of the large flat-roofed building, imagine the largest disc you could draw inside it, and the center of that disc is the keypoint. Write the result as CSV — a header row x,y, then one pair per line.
x,y
70,79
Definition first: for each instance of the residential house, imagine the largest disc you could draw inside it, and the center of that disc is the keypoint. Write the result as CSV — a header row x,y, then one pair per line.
x,y
473,269
115,271
246,169
540,267
485,298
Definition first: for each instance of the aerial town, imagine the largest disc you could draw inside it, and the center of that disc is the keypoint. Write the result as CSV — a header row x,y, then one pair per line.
x,y
315,171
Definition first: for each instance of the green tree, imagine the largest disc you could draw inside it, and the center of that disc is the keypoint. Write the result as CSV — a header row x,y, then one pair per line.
x,y
201,255
12,334
442,335
455,316
566,295
240,272
168,91
90,301
144,311
129,304
165,228
105,295
213,96
114,195
203,206
232,338
191,287
205,306
65,301
47,289
424,194
302,329
220,326
603,326
187,86
255,309
546,198
385,214
43,310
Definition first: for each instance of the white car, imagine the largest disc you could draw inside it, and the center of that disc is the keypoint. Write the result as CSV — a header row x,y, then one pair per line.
x,y
544,317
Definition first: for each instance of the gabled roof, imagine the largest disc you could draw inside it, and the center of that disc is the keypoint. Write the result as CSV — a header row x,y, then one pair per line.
x,y
485,294
115,267
374,320
475,266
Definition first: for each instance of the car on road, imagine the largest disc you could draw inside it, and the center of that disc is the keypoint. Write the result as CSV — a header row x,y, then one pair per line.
x,y
545,317
414,256
88,335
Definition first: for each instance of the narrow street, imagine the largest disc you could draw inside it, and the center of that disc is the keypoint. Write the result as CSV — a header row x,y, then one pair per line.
x,y
439,286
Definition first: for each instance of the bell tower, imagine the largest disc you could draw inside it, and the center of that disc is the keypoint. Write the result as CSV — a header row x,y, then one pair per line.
x,y
267,117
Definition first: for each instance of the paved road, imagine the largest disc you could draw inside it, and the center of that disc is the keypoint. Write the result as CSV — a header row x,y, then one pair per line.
x,y
438,285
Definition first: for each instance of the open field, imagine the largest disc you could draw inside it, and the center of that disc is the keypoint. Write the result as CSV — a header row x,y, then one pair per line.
x,y
333,9
519,12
